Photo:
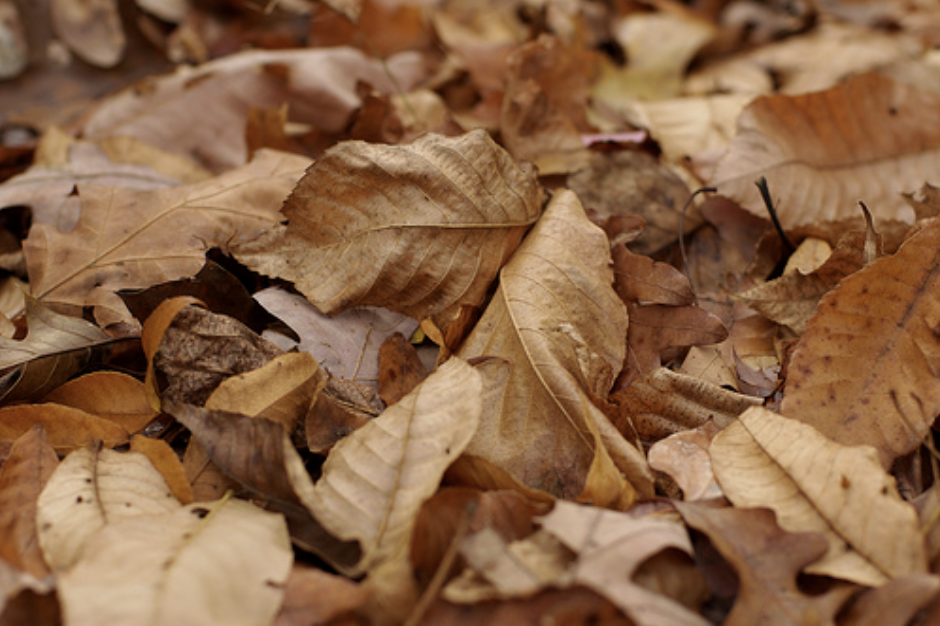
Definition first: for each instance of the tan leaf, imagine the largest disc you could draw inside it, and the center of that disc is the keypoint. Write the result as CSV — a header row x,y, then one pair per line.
x,y
865,371
375,480
282,390
113,396
558,321
312,596
820,158
166,461
188,566
91,489
91,29
667,402
896,603
346,344
400,369
157,236
421,229
199,112
610,547
67,428
640,279
816,485
684,456
55,348
23,476
574,607
767,560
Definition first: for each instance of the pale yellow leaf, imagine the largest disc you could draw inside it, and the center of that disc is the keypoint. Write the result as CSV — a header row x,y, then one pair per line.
x,y
90,490
375,480
816,485
223,562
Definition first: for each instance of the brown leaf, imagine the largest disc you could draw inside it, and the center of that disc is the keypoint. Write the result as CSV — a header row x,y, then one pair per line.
x,y
640,279
865,370
820,151
684,456
767,560
342,408
91,29
200,349
67,428
312,596
116,397
421,229
55,348
898,602
816,485
167,463
23,476
546,431
142,245
400,369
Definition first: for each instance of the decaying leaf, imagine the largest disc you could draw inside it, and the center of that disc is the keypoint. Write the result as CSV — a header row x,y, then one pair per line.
x,y
55,348
91,489
221,562
421,229
865,371
29,466
558,321
816,485
767,560
113,249
375,480
821,154
91,28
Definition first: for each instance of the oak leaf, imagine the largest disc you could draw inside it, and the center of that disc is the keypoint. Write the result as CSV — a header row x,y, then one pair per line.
x,y
819,158
222,562
816,485
561,326
865,370
420,229
128,239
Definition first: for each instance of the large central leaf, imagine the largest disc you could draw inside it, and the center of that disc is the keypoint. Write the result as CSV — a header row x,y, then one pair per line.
x,y
421,229
558,321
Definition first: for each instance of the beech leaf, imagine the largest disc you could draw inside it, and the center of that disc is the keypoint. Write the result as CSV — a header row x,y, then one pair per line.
x,y
131,239
375,480
221,562
820,158
420,229
866,369
556,318
816,485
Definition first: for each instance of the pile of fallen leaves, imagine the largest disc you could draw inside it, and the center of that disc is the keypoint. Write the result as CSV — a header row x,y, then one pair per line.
x,y
464,312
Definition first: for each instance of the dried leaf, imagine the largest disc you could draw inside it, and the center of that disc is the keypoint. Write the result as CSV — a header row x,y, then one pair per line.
x,y
400,369
684,456
113,396
767,560
816,485
347,344
896,603
191,565
375,480
91,489
557,320
820,158
141,244
865,370
91,29
23,476
55,348
166,461
67,428
312,596
420,229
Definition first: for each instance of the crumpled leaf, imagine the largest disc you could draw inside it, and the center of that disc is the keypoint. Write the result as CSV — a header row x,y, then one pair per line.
x,y
221,562
865,371
156,236
55,348
192,111
375,480
22,478
816,485
91,489
767,560
684,457
421,229
556,319
347,344
820,158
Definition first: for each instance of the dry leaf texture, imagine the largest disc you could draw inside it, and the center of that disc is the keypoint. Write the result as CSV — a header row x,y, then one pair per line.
x,y
816,485
375,480
558,321
129,239
866,369
421,229
867,139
